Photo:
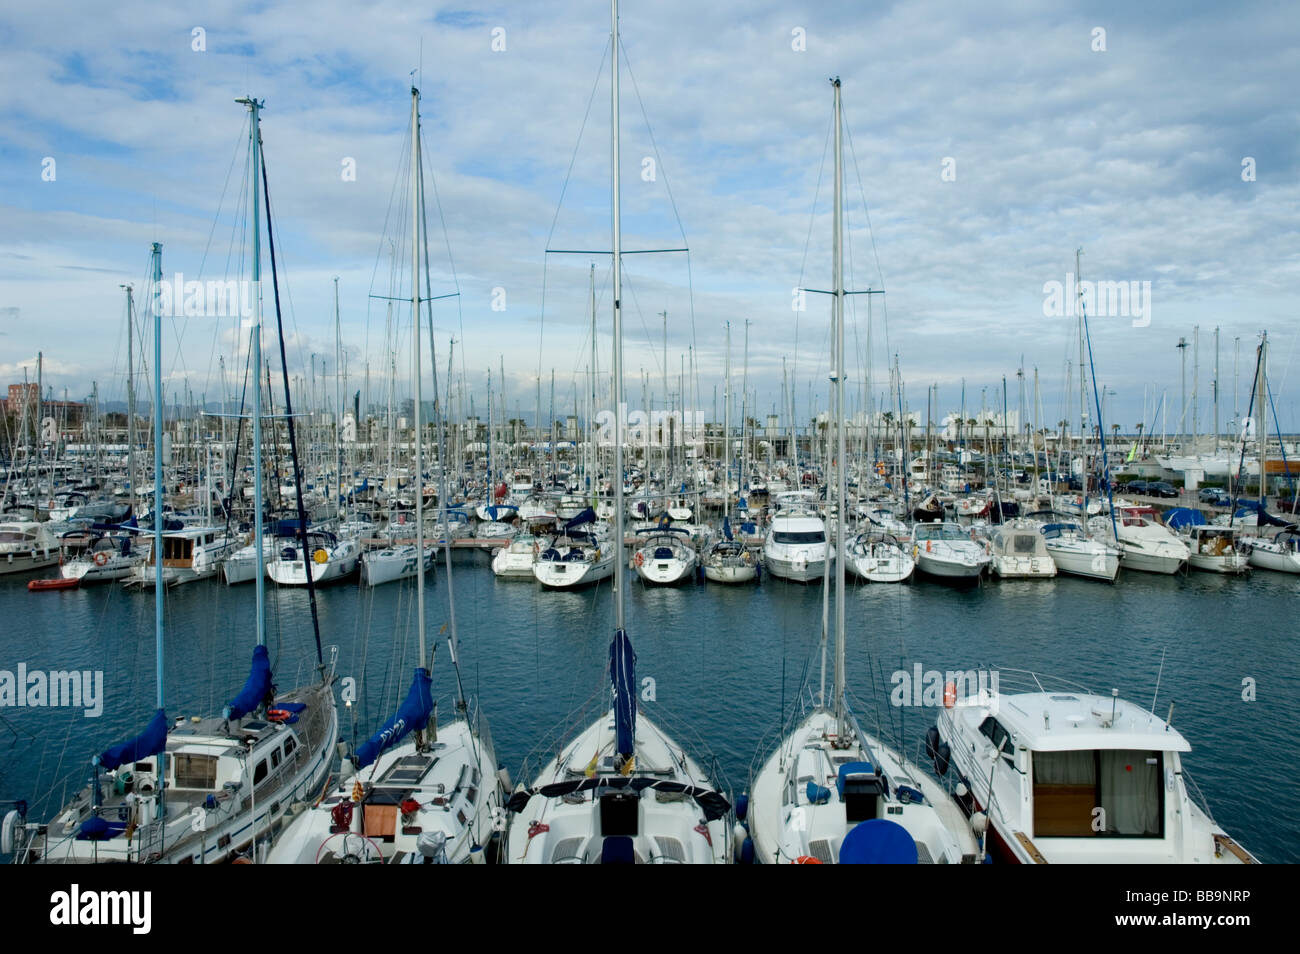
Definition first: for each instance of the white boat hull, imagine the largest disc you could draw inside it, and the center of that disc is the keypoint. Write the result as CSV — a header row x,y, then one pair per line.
x,y
1094,564
559,575
1287,561
389,565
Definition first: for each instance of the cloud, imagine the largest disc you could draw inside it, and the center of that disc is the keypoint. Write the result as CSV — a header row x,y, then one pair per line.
x,y
1134,154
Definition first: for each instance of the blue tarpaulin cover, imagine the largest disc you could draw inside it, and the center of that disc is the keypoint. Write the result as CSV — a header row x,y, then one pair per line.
x,y
255,689
413,713
1178,517
878,841
149,742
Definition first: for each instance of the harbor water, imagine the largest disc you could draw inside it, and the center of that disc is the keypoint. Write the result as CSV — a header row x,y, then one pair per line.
x,y
718,666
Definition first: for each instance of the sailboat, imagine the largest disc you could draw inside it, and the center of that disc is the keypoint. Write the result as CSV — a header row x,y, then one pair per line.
x,y
728,560
436,798
575,557
831,793
225,782
622,791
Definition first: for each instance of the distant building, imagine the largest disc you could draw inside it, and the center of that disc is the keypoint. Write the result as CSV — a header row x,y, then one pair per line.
x,y
15,401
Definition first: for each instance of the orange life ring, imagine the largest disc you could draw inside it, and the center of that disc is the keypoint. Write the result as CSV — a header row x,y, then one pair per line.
x,y
639,559
805,860
278,715
949,695
101,558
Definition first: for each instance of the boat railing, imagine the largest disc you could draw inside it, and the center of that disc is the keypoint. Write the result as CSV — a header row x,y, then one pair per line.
x,y
553,742
689,739
1195,795
1025,680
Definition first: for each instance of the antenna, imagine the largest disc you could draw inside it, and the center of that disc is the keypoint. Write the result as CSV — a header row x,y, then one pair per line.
x,y
1159,673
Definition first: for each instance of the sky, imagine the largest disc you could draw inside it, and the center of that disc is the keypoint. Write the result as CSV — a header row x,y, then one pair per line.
x,y
983,145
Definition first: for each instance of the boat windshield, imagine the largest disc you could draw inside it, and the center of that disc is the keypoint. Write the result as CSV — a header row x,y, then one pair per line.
x,y
939,531
798,536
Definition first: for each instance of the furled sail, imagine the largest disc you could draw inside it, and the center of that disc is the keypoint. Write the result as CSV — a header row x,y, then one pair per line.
x,y
622,671
586,516
413,713
149,742
255,689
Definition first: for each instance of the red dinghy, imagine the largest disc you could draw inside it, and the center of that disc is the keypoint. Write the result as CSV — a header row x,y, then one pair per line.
x,y
58,583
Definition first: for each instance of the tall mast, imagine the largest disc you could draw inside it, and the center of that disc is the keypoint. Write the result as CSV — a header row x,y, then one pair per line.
x,y
338,404
157,470
415,369
837,291
619,568
593,489
1216,391
130,394
255,337
726,432
1261,420
1196,385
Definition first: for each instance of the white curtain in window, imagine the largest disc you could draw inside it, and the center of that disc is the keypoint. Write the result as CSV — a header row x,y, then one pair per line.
x,y
1065,768
1130,792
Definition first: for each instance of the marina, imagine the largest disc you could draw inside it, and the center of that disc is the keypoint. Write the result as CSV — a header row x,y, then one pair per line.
x,y
636,569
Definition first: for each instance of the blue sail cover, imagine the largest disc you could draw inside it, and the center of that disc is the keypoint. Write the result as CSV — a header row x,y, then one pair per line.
x,y
622,670
1247,507
255,689
149,742
726,529
413,713
586,516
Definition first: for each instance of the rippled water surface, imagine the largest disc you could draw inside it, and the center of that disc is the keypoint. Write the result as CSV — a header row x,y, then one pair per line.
x,y
725,664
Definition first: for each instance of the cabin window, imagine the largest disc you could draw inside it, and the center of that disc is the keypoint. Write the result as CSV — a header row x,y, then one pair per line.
x,y
260,772
1112,792
196,771
289,746
275,759
798,536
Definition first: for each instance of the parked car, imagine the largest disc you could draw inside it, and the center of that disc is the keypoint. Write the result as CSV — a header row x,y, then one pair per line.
x,y
1214,496
1135,487
1161,489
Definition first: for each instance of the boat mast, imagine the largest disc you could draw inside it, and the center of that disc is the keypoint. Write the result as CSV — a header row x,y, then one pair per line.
x,y
837,290
157,519
593,453
255,337
619,568
415,371
338,403
157,471
130,394
726,432
1261,421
